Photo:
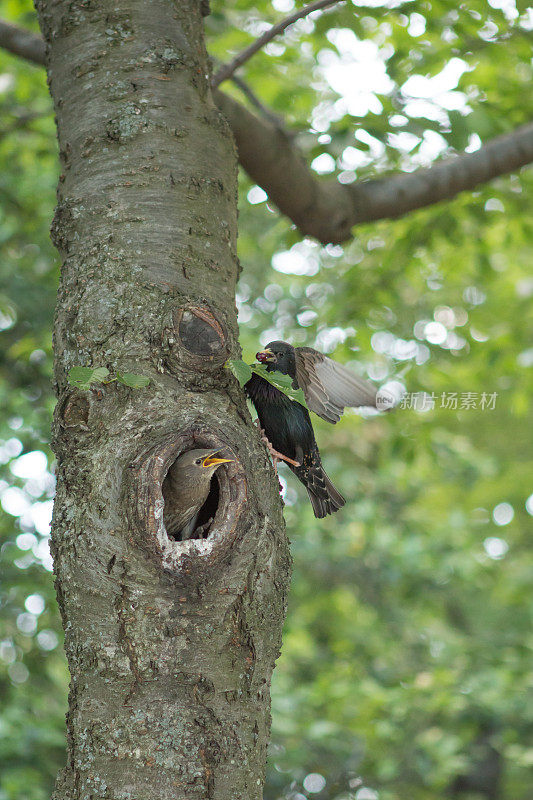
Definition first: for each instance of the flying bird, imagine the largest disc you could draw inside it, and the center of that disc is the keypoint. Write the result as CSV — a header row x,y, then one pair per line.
x,y
328,389
185,490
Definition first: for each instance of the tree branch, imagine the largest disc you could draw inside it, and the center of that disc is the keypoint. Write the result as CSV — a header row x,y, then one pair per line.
x,y
22,43
394,196
227,70
256,102
318,208
326,209
252,97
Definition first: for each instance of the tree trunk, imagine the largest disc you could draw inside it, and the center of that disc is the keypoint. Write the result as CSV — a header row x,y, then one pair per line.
x,y
170,644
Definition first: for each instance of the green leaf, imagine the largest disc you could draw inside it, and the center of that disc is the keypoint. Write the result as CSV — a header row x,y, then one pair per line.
x,y
82,377
240,369
243,373
132,380
281,382
100,374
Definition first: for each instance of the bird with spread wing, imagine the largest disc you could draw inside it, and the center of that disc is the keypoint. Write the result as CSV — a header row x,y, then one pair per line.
x,y
328,389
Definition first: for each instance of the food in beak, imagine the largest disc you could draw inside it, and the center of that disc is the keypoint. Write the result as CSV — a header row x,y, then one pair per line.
x,y
263,356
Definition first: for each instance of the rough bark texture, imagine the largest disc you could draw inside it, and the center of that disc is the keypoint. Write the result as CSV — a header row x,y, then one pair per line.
x,y
171,645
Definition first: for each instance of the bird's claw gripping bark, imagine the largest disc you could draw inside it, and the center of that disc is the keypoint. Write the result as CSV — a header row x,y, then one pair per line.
x,y
275,454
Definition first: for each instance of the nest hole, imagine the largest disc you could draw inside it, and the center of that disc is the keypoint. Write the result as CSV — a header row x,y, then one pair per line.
x,y
148,480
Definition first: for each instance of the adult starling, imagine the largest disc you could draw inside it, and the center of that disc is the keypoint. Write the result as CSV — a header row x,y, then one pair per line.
x,y
186,488
328,388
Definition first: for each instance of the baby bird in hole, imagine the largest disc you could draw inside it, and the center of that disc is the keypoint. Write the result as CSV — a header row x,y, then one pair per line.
x,y
185,490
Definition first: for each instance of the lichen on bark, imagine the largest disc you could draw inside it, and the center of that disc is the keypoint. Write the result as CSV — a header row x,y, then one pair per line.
x,y
170,662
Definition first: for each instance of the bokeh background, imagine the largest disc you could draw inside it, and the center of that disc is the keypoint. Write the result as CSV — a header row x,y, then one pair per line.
x,y
406,665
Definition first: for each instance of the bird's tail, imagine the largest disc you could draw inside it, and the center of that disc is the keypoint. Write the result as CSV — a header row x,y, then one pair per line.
x,y
324,497
326,502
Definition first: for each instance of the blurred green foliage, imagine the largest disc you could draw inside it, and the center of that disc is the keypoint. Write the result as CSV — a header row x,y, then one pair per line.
x,y
406,665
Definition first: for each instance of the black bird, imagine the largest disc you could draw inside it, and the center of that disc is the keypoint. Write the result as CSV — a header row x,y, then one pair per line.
x,y
328,388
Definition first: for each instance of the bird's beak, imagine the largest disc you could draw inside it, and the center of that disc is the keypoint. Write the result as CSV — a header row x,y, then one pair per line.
x,y
211,461
264,356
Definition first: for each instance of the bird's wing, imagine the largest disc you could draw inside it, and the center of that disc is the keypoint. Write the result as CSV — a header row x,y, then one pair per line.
x,y
328,386
189,528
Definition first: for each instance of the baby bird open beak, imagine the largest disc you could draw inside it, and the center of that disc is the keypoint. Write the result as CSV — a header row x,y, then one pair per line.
x,y
211,461
264,356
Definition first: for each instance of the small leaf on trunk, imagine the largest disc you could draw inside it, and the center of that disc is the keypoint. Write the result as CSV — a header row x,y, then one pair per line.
x,y
240,369
132,380
82,377
100,374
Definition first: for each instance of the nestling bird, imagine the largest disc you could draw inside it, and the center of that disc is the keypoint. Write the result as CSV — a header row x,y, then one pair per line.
x,y
186,488
328,388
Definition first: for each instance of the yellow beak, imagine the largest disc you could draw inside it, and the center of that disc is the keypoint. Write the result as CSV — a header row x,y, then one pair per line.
x,y
211,461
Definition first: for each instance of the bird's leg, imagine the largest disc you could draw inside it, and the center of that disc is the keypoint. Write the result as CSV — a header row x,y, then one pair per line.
x,y
276,456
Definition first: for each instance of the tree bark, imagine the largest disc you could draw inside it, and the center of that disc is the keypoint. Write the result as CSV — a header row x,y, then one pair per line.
x,y
171,645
